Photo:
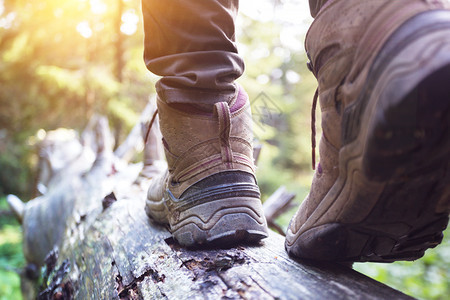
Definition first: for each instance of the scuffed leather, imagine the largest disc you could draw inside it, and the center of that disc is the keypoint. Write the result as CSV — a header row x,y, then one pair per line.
x,y
197,146
342,43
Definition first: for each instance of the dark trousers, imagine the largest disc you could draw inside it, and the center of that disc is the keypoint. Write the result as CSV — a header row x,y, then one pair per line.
x,y
191,44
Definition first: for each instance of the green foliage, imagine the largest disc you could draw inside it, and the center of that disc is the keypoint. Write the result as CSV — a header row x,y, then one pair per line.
x,y
59,64
14,167
270,68
9,286
11,255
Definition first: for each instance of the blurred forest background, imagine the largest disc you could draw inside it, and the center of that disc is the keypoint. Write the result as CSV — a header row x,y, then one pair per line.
x,y
63,61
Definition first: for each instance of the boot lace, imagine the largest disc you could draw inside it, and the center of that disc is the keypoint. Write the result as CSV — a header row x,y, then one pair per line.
x,y
313,116
313,128
150,126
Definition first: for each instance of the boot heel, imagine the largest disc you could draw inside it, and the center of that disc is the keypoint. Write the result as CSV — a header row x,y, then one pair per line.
x,y
228,211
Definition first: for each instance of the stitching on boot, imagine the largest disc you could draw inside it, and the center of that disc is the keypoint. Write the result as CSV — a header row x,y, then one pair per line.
x,y
222,111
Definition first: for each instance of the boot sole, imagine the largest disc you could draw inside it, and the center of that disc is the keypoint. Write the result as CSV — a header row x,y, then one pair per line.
x,y
222,210
391,200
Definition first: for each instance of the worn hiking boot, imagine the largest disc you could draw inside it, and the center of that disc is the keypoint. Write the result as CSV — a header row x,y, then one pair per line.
x,y
209,194
381,191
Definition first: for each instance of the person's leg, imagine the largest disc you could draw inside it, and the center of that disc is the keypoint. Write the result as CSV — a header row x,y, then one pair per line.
x,y
381,191
209,194
191,44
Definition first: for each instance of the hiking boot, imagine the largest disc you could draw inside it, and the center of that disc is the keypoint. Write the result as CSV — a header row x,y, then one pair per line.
x,y
209,193
381,191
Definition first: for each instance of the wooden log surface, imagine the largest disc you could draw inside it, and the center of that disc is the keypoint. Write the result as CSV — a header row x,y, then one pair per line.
x,y
123,255
92,232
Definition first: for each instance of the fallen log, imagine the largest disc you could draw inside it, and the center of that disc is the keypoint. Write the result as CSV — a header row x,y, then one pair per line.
x,y
276,205
91,233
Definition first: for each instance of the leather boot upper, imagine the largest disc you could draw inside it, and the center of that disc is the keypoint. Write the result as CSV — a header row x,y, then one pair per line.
x,y
341,44
198,144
